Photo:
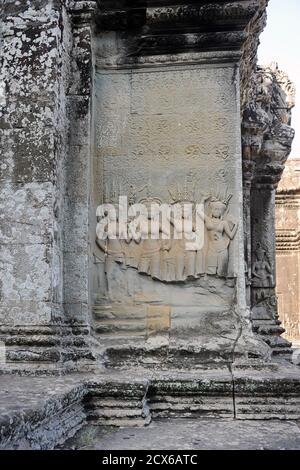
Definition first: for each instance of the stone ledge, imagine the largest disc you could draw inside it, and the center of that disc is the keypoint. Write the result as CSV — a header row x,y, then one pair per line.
x,y
41,413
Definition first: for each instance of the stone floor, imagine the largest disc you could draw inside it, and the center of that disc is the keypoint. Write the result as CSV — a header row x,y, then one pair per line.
x,y
191,434
38,412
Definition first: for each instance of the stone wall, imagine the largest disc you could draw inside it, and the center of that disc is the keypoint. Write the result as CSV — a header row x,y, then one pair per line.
x,y
288,250
54,52
40,97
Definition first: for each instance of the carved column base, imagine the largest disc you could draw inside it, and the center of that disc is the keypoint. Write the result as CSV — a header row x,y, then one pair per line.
x,y
265,321
39,350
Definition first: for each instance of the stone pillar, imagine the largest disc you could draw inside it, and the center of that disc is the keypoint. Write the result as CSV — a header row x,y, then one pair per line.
x,y
267,132
248,170
34,137
37,179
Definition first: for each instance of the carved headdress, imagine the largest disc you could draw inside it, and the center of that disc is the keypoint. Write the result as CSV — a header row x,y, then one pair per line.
x,y
219,199
185,192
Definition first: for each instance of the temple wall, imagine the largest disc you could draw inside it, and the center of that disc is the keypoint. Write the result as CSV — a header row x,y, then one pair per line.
x,y
288,250
145,96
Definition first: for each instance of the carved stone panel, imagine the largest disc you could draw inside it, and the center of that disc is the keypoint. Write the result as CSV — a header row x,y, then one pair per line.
x,y
171,136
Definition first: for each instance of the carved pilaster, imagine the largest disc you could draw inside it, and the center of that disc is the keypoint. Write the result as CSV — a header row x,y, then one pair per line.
x,y
248,171
267,138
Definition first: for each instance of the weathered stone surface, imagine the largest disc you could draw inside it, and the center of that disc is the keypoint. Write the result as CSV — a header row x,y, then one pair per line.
x,y
288,249
41,413
43,417
167,111
188,434
46,82
34,74
150,112
147,97
266,138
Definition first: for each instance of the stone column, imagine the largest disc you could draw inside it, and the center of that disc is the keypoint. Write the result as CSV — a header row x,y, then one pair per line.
x,y
34,75
37,179
267,138
263,295
248,170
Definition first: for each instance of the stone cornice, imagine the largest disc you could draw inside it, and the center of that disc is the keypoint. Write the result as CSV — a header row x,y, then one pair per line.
x,y
287,240
153,27
176,15
268,176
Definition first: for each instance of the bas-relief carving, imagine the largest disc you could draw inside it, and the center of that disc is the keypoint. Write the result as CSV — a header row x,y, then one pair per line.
x,y
182,256
177,122
261,270
220,232
264,302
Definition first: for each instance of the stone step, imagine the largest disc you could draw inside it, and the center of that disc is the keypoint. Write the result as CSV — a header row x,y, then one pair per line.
x,y
283,352
111,403
118,313
32,354
165,406
116,327
119,422
277,342
116,412
245,394
118,355
118,403
269,330
16,353
52,330
43,340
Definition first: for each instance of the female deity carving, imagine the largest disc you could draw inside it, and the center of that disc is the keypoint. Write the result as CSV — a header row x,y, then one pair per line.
x,y
109,242
220,233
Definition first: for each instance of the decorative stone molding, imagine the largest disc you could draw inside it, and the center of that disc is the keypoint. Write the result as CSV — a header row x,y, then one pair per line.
x,y
288,249
267,137
149,29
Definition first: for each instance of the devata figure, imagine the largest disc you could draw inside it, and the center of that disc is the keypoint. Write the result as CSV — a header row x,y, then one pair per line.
x,y
220,232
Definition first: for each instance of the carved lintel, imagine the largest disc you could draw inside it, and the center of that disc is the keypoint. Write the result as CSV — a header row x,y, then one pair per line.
x,y
165,27
175,16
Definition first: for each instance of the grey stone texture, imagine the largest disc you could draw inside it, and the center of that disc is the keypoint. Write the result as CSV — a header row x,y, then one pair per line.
x,y
43,412
98,95
87,99
188,434
43,207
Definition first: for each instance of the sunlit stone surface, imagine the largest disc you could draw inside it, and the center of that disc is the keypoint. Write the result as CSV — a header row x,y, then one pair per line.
x,y
160,102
